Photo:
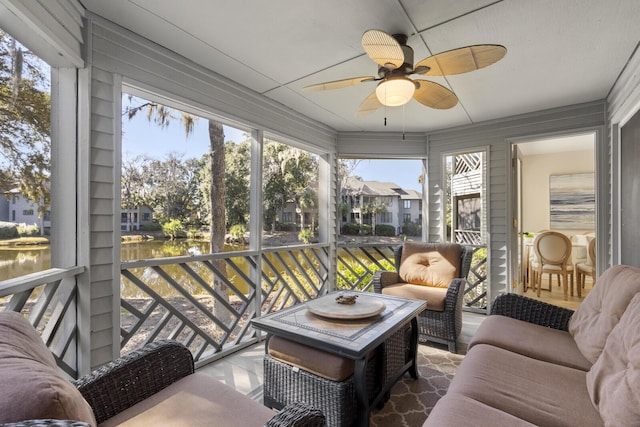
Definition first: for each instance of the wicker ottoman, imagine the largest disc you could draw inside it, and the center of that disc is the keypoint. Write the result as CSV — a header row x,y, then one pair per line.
x,y
296,373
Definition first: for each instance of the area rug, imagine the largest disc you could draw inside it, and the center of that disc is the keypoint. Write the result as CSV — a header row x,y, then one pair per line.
x,y
412,399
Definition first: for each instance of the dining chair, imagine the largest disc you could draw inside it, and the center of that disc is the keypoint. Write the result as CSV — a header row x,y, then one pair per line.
x,y
586,268
552,256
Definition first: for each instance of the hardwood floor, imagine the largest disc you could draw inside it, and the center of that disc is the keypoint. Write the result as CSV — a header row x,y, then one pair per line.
x,y
556,295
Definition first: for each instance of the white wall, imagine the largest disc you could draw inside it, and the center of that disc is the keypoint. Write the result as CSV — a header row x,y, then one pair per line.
x,y
536,170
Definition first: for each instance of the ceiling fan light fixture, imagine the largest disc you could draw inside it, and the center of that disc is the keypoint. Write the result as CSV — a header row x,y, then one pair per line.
x,y
395,91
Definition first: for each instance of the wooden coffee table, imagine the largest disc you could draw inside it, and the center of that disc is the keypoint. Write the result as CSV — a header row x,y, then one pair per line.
x,y
351,338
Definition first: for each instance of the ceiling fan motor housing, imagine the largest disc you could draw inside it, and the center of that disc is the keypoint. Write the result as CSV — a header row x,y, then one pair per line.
x,y
407,66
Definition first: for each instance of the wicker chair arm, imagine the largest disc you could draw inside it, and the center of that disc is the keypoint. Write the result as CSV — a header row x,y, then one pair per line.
x,y
46,423
384,278
298,414
133,377
532,311
453,292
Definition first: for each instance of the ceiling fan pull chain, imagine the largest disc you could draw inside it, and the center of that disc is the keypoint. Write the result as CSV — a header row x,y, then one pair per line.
x,y
403,122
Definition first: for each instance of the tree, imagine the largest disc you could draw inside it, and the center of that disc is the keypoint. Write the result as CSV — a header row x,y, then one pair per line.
x,y
289,173
25,107
374,208
237,180
132,185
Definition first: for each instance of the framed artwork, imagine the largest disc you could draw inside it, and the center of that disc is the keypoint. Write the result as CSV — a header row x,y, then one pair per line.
x,y
572,201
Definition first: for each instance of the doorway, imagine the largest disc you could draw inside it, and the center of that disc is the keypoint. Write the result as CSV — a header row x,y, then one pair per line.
x,y
553,188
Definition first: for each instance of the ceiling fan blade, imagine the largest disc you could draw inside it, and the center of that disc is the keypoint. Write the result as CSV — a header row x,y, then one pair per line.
x,y
338,84
434,95
369,105
463,60
383,49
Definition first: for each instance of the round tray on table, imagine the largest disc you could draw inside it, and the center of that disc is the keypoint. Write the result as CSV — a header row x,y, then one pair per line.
x,y
365,306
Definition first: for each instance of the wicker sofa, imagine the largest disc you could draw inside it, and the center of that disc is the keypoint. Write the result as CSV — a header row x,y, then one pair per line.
x,y
532,363
436,273
155,385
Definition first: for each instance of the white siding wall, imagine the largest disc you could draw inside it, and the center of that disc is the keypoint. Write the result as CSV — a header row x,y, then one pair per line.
x,y
51,28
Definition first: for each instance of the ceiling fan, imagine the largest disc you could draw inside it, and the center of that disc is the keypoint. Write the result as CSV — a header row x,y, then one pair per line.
x,y
395,61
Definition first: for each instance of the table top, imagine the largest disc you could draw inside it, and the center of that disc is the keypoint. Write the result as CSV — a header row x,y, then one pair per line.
x,y
352,338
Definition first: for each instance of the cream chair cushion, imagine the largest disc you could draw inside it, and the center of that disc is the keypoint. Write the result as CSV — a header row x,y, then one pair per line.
x,y
429,264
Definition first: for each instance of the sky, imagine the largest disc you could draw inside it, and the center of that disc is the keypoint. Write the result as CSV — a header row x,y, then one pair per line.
x,y
141,137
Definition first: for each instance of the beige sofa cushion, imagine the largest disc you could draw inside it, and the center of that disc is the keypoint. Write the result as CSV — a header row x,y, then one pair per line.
x,y
525,338
429,264
32,387
193,401
614,380
538,392
601,310
456,410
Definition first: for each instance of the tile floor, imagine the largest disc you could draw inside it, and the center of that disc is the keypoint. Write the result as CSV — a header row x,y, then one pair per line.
x,y
244,370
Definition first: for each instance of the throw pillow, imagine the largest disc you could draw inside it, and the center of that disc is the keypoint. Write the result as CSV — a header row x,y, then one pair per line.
x,y
601,310
32,387
613,381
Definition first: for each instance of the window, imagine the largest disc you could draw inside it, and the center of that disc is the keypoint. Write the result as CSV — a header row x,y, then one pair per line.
x,y
123,217
287,217
406,218
385,217
406,204
27,212
146,216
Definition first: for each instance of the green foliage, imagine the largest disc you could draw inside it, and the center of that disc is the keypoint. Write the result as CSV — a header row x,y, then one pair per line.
x,y
151,226
351,229
305,236
8,230
288,174
365,230
25,105
237,231
412,228
385,230
355,273
237,177
173,229
25,230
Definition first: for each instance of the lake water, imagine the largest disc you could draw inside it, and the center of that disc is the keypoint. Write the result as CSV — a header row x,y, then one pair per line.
x,y
15,262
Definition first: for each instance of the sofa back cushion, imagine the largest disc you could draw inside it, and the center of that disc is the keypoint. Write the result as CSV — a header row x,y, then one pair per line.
x,y
430,264
32,387
614,380
601,310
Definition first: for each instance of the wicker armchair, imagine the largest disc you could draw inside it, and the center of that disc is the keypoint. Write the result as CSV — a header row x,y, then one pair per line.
x,y
441,326
140,374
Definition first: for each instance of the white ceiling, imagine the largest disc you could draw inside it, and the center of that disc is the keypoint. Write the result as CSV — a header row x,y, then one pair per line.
x,y
559,52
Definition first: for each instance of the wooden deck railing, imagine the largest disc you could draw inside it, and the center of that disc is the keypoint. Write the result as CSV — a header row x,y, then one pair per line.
x,y
48,300
206,301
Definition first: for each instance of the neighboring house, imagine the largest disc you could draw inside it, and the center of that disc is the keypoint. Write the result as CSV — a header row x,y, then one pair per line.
x,y
134,218
14,207
398,205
